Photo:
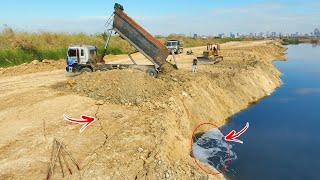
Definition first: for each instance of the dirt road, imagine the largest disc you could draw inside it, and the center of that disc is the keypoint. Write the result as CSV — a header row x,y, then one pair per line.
x,y
130,139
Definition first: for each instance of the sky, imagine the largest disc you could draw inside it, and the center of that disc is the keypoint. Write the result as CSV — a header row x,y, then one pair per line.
x,y
163,17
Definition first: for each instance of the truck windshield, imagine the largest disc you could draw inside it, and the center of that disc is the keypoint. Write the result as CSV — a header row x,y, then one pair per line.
x,y
72,52
172,43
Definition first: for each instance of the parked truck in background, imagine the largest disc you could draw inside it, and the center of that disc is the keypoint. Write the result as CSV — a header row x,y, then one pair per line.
x,y
175,46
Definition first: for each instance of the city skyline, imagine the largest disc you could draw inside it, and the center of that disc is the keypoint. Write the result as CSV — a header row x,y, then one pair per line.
x,y
268,34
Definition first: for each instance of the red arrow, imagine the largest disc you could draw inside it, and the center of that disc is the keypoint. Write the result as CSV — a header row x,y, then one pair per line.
x,y
233,135
85,120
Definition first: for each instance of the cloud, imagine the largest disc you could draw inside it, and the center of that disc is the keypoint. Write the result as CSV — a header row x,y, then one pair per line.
x,y
307,91
253,8
263,17
258,17
103,18
85,24
285,100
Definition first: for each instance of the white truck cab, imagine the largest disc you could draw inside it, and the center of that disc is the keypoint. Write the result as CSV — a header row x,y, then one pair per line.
x,y
80,57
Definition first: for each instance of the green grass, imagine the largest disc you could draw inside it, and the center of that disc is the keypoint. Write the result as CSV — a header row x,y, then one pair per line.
x,y
22,47
12,57
287,41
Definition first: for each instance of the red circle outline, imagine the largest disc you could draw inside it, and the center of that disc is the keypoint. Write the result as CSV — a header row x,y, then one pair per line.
x,y
195,160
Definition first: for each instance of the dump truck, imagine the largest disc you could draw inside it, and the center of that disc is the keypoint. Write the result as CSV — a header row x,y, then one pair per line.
x,y
84,58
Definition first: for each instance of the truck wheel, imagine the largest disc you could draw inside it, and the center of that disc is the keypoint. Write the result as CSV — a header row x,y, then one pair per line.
x,y
153,73
85,70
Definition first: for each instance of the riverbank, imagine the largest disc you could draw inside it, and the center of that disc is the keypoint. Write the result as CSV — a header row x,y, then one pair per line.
x,y
144,125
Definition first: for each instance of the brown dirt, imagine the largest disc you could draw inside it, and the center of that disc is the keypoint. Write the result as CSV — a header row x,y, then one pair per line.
x,y
28,68
119,86
144,124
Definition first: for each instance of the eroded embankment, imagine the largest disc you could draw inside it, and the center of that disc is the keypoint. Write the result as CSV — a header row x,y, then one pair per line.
x,y
162,113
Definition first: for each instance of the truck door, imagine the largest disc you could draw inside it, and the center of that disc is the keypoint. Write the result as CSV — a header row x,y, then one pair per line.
x,y
83,59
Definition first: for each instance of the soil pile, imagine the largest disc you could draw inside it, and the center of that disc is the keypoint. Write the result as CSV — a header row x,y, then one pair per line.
x,y
129,87
33,67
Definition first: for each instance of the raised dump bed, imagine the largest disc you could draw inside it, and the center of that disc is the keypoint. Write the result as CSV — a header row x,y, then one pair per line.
x,y
138,37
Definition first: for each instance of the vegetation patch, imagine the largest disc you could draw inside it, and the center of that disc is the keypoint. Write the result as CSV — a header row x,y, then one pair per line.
x,y
23,47
288,41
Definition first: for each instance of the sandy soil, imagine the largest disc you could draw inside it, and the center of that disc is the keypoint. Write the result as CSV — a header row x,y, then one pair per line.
x,y
143,126
33,67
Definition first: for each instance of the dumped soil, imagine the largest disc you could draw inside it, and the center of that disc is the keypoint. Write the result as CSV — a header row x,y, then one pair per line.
x,y
144,125
127,87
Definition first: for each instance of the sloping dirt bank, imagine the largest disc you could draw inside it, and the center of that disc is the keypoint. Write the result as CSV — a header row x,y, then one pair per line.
x,y
143,126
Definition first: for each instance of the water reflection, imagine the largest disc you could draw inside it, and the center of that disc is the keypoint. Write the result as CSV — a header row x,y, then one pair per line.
x,y
307,91
283,141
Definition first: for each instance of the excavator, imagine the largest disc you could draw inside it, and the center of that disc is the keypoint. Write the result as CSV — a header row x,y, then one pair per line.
x,y
83,58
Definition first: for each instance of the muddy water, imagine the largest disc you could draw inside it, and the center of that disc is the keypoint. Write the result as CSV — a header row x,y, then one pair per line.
x,y
283,141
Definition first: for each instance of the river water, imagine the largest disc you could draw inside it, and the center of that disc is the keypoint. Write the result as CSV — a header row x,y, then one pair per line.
x,y
283,141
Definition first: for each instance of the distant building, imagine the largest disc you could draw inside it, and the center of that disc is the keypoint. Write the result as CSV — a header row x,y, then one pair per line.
x,y
261,34
295,35
232,35
195,36
316,32
221,35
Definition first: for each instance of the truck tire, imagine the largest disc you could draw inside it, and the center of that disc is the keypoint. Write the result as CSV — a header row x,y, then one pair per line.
x,y
85,70
153,73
